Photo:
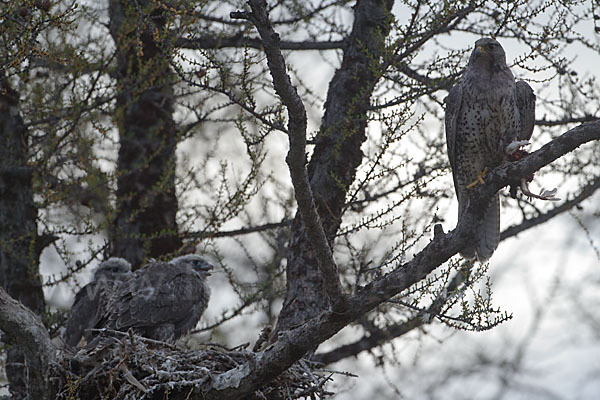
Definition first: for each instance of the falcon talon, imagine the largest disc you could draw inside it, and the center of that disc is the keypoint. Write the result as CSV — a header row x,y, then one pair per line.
x,y
479,179
549,195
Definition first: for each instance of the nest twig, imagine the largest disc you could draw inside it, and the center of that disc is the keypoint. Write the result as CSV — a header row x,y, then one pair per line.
x,y
127,366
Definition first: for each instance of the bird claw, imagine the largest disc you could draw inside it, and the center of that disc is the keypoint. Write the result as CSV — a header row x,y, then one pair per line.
x,y
479,179
548,195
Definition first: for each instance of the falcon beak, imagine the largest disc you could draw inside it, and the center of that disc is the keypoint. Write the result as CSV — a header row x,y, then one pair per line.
x,y
207,268
480,50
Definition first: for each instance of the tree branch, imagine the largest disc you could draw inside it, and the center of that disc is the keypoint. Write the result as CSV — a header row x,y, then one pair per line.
x,y
292,344
296,158
442,247
28,332
564,121
379,336
237,232
214,42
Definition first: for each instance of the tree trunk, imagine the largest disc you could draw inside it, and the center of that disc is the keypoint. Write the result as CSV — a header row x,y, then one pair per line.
x,y
30,335
144,223
336,157
20,245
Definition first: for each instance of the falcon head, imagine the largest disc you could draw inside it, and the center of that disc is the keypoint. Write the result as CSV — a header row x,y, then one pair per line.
x,y
488,53
194,261
115,268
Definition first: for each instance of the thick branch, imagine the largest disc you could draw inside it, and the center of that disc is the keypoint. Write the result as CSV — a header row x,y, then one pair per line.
x,y
443,247
215,42
292,344
296,158
336,157
379,336
28,332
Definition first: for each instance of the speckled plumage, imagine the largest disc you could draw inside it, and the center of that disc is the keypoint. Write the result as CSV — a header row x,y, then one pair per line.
x,y
162,301
90,302
485,112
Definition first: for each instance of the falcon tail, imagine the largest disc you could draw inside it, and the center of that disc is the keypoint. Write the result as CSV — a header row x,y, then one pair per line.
x,y
487,236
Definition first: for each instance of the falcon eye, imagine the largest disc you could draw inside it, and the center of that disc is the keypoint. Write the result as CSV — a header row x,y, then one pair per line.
x,y
491,45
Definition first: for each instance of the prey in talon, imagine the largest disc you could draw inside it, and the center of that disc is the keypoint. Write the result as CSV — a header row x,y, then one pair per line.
x,y
515,152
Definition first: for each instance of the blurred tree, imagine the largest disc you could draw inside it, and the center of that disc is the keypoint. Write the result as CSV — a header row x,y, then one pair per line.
x,y
144,224
370,180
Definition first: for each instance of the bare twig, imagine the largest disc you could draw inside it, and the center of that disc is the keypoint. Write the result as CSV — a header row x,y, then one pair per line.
x,y
237,232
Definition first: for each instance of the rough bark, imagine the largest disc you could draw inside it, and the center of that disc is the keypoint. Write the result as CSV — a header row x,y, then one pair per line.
x,y
336,157
144,223
20,244
29,334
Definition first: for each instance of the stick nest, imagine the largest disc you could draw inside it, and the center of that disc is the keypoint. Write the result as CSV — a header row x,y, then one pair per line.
x,y
128,366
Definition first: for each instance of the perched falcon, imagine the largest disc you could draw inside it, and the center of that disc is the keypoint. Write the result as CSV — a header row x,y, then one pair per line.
x,y
90,301
162,301
485,112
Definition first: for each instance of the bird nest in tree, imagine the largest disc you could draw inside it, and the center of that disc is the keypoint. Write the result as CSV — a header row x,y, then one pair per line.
x,y
133,367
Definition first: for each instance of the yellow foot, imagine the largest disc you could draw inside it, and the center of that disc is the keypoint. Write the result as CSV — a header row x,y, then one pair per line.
x,y
479,179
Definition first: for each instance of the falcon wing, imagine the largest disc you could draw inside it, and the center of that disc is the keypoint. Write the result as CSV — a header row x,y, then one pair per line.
x,y
129,308
526,105
160,294
453,103
82,314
